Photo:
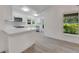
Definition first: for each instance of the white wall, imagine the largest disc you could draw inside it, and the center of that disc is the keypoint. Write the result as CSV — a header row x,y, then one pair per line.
x,y
53,19
16,13
5,14
25,16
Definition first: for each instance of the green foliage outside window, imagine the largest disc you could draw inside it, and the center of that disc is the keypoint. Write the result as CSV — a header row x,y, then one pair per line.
x,y
71,24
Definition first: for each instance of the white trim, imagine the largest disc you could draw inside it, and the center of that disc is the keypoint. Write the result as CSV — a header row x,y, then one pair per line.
x,y
71,35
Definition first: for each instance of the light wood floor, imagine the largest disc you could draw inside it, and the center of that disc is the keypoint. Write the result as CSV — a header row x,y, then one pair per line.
x,y
49,45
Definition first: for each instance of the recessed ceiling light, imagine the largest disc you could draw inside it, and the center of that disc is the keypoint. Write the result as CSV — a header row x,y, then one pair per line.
x,y
35,14
25,9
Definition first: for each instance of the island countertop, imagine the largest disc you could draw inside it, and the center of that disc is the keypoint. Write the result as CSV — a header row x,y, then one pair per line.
x,y
12,30
18,39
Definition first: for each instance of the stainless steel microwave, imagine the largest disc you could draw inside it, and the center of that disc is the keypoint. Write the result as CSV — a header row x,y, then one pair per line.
x,y
18,19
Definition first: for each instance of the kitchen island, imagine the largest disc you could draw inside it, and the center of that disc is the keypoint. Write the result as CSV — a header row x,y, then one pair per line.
x,y
19,39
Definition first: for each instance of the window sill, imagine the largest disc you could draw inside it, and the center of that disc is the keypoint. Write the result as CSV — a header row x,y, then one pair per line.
x,y
71,35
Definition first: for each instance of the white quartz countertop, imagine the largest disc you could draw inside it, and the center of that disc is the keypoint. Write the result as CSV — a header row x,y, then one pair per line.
x,y
13,30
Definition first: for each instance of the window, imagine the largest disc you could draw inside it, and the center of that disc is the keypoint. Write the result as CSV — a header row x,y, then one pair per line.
x,y
71,23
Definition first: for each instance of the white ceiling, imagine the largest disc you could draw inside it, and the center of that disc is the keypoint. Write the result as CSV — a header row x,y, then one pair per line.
x,y
39,8
35,8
